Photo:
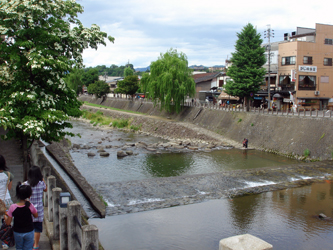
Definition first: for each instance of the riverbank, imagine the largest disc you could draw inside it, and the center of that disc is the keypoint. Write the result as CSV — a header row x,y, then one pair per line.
x,y
290,136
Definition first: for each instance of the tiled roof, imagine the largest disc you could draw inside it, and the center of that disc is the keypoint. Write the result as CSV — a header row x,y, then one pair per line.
x,y
205,77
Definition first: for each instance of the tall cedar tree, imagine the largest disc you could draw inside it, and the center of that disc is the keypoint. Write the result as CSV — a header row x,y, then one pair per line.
x,y
41,41
246,71
170,81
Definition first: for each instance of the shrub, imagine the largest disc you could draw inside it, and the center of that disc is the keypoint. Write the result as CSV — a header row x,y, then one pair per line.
x,y
306,152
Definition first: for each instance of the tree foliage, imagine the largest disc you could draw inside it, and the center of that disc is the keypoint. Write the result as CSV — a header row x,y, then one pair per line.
x,y
246,70
99,88
90,76
74,80
169,81
43,41
113,70
128,86
128,72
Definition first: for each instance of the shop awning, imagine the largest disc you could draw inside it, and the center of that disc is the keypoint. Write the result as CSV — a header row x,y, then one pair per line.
x,y
225,96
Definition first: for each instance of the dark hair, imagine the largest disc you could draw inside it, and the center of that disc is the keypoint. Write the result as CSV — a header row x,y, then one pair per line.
x,y
3,165
34,176
23,192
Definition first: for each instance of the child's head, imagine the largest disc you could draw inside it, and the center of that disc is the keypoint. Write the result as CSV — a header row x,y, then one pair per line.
x,y
23,191
3,165
34,176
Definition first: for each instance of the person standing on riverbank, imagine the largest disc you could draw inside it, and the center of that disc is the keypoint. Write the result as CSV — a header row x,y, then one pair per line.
x,y
38,186
245,142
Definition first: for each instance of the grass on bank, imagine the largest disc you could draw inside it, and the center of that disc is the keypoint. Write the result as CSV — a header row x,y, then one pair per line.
x,y
99,119
107,107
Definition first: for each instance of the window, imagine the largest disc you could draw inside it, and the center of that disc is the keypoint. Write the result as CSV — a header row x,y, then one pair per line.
x,y
284,80
307,83
327,61
324,79
307,60
288,60
285,83
328,41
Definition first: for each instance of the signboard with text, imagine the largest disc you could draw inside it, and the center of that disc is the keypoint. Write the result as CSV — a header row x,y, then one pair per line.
x,y
303,68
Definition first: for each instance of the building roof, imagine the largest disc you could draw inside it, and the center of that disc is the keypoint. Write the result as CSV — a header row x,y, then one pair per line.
x,y
205,77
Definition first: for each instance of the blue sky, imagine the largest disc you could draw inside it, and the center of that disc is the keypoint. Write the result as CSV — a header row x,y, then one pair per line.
x,y
205,31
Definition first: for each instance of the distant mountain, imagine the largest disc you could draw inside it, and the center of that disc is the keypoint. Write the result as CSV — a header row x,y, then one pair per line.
x,y
197,67
142,69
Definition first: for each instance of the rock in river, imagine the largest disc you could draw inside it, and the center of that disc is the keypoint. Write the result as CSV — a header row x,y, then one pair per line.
x,y
104,154
90,154
121,153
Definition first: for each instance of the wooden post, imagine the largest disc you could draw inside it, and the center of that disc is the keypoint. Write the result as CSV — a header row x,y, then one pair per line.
x,y
74,230
56,197
63,228
51,183
46,173
89,237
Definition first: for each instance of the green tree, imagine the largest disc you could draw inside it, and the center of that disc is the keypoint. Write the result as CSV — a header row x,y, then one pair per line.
x,y
128,86
43,41
90,76
128,72
246,70
99,88
170,81
74,80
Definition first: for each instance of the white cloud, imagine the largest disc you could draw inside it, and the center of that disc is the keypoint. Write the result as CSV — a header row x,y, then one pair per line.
x,y
204,31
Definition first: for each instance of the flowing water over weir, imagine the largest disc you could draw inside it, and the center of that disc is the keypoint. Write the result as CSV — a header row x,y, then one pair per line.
x,y
148,180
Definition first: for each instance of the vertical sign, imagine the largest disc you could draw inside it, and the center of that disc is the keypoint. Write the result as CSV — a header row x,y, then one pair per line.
x,y
293,75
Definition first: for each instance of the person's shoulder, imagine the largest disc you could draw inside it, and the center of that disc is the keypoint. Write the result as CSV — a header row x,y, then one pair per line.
x,y
9,174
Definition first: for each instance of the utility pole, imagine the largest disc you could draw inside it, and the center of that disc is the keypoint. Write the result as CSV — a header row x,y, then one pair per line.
x,y
268,34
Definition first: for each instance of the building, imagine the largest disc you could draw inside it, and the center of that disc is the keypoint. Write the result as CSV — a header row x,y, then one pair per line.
x,y
305,71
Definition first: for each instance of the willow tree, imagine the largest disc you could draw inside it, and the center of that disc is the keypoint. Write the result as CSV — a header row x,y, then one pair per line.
x,y
170,81
246,71
41,41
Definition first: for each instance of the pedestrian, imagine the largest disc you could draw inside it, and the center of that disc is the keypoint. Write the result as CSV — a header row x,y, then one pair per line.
x,y
6,181
21,211
38,186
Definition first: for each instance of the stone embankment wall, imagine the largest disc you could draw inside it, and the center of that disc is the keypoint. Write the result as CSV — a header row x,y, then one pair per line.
x,y
285,135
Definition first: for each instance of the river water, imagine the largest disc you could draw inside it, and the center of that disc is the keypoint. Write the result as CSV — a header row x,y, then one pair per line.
x,y
145,164
286,219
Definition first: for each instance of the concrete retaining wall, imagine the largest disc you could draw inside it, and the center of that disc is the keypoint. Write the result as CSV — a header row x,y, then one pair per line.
x,y
286,135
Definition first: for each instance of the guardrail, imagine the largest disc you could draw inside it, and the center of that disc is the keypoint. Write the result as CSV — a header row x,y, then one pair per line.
x,y
301,112
67,226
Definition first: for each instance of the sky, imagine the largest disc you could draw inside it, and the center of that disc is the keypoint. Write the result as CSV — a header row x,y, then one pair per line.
x,y
205,31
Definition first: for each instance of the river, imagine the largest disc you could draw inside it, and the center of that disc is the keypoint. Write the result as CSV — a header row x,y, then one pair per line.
x,y
286,219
